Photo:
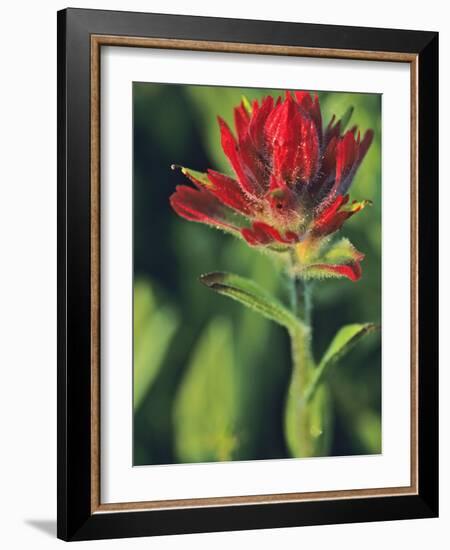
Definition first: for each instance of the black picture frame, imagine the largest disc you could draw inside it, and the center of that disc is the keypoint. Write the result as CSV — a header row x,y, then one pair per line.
x,y
76,520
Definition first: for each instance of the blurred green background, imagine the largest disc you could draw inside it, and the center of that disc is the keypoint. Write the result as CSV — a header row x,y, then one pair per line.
x,y
210,376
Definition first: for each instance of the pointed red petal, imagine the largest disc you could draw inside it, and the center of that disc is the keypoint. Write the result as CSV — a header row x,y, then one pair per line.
x,y
317,115
271,233
253,164
229,192
293,141
303,99
326,173
256,236
231,150
224,188
257,122
241,121
200,206
308,155
364,145
352,271
249,237
311,108
324,223
262,233
346,156
333,130
332,218
349,155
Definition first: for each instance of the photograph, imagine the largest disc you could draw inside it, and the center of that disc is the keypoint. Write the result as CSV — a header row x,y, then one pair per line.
x,y
256,273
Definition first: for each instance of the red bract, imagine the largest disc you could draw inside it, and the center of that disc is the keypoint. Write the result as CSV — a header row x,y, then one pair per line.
x,y
290,185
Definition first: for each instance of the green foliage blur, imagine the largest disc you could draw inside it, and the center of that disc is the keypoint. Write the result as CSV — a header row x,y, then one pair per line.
x,y
210,376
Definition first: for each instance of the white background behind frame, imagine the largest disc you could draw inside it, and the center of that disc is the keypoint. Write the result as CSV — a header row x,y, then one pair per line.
x,y
120,482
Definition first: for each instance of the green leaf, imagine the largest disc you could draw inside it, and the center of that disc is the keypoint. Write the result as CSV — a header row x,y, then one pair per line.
x,y
154,328
205,408
251,295
345,339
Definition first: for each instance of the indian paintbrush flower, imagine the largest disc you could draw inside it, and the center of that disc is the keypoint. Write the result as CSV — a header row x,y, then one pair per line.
x,y
289,195
290,187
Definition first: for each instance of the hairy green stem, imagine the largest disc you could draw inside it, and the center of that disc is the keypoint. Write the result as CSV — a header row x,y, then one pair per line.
x,y
303,420
297,423
303,291
301,295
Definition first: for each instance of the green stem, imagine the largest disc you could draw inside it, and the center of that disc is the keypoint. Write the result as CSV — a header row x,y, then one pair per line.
x,y
303,291
303,420
297,424
301,296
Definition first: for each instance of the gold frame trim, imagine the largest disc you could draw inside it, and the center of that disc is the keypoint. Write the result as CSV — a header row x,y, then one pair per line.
x,y
97,41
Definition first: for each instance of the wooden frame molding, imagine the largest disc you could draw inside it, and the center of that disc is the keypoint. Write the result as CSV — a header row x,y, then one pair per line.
x,y
97,42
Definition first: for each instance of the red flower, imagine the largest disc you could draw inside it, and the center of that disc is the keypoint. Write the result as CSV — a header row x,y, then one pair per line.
x,y
291,181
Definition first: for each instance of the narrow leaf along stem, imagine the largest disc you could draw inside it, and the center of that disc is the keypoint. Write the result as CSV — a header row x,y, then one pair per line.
x,y
308,416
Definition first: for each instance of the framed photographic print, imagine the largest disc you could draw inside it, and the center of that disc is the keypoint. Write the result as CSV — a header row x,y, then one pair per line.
x,y
247,248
